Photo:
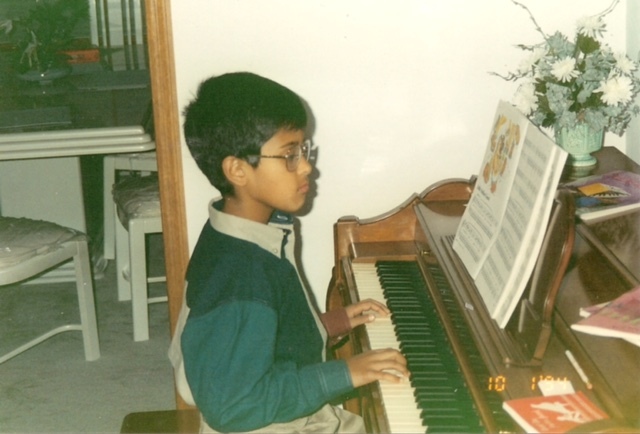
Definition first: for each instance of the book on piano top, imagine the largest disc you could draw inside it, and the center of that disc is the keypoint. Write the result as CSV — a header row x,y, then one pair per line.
x,y
601,196
554,413
501,231
619,318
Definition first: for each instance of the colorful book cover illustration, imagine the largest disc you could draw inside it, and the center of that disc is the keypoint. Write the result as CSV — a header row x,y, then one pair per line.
x,y
553,414
605,195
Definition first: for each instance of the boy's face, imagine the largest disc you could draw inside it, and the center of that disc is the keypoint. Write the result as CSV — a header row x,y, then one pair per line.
x,y
271,185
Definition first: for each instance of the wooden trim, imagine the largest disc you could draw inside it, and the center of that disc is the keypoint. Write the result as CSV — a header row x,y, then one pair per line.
x,y
167,135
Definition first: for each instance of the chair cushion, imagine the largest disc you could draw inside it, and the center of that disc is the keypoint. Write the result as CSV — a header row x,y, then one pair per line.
x,y
22,238
137,196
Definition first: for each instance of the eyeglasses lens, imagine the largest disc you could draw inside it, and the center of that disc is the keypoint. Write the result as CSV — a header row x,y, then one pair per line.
x,y
302,151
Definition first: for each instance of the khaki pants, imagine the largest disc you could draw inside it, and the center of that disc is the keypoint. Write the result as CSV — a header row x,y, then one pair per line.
x,y
328,419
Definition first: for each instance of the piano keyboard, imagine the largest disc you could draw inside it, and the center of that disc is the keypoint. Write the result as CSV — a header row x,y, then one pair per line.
x,y
436,397
403,414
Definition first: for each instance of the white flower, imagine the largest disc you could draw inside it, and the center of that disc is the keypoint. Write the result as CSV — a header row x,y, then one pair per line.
x,y
525,98
616,90
591,26
559,75
564,69
528,62
624,64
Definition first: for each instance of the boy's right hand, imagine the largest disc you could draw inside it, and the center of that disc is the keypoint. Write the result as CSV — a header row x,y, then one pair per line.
x,y
385,364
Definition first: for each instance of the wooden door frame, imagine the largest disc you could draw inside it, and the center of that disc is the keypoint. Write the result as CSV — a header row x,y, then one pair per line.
x,y
166,118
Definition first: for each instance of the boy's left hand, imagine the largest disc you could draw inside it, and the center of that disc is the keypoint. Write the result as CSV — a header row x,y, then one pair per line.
x,y
365,311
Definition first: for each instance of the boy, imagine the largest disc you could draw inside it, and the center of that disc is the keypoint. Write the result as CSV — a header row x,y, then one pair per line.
x,y
249,349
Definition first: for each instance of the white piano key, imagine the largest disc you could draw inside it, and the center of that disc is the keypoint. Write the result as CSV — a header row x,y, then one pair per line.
x,y
398,400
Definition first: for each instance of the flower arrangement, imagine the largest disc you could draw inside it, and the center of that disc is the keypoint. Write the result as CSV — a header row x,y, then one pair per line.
x,y
566,82
47,29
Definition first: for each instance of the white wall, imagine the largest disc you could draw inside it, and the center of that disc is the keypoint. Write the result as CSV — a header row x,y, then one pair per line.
x,y
400,89
633,48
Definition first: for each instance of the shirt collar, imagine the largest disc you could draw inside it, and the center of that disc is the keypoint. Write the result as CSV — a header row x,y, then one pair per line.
x,y
269,236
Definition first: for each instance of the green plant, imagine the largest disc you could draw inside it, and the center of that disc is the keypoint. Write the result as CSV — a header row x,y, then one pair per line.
x,y
44,31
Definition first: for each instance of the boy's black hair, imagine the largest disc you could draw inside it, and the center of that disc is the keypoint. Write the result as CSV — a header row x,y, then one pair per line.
x,y
235,114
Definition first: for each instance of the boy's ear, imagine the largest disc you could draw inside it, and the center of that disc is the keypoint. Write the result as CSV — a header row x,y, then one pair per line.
x,y
234,170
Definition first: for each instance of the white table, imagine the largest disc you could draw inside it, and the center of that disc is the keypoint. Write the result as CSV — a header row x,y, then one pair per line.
x,y
40,174
74,143
40,171
44,130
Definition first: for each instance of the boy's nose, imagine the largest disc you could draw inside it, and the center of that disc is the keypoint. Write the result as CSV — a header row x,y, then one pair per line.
x,y
304,166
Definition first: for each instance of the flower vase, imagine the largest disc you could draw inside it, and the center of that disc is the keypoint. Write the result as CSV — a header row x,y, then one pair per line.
x,y
580,141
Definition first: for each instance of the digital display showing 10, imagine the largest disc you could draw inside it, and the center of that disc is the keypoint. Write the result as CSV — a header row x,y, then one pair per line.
x,y
499,383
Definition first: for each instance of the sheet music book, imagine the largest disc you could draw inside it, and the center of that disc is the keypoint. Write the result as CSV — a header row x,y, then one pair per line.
x,y
619,318
501,231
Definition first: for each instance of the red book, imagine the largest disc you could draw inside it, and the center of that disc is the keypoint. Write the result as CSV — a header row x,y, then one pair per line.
x,y
553,414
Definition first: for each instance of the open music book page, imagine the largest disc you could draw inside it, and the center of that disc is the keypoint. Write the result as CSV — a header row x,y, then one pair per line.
x,y
481,221
501,231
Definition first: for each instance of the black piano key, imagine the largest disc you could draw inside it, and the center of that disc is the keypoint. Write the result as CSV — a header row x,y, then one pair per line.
x,y
494,400
414,337
439,387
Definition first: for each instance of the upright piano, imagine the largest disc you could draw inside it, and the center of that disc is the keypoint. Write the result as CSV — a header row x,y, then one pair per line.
x,y
463,366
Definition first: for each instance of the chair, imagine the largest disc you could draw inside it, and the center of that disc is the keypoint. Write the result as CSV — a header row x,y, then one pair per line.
x,y
138,162
137,201
29,247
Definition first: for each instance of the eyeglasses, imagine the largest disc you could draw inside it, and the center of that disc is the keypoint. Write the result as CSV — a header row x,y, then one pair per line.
x,y
292,157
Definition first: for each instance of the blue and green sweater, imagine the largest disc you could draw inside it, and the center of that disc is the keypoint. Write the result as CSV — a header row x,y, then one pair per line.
x,y
252,345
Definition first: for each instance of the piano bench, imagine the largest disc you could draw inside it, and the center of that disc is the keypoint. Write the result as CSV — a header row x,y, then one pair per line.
x,y
164,421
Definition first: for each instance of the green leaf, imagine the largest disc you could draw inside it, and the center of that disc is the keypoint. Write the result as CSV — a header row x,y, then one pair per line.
x,y
586,44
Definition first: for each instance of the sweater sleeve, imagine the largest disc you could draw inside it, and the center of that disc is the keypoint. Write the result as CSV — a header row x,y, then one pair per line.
x,y
237,384
336,322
